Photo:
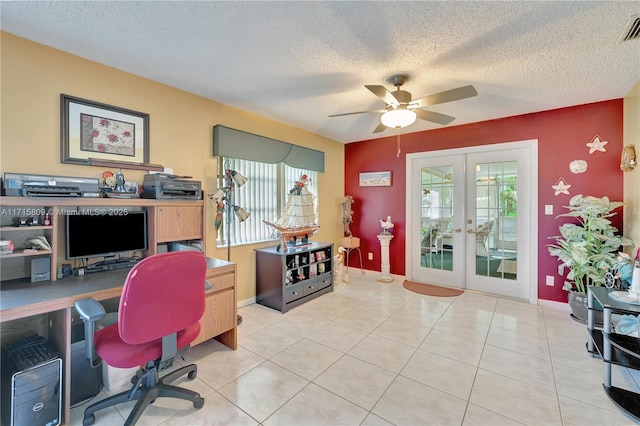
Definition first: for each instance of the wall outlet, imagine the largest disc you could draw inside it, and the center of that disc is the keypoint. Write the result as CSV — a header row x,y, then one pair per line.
x,y
548,209
370,256
550,280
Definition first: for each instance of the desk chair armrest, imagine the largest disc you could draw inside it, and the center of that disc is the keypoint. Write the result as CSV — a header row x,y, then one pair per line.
x,y
90,311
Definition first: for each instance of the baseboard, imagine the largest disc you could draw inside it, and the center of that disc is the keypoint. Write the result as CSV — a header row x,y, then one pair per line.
x,y
562,306
246,302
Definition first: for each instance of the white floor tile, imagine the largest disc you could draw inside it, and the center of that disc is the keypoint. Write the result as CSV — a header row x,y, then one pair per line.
x,y
264,389
407,402
315,406
445,374
355,380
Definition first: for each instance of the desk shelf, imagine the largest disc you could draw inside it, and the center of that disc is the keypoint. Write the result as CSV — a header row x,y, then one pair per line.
x,y
24,228
23,253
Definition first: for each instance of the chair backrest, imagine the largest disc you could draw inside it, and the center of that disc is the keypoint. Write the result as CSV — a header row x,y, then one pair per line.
x,y
162,295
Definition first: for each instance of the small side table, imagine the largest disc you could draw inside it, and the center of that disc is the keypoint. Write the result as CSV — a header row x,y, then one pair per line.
x,y
349,244
385,239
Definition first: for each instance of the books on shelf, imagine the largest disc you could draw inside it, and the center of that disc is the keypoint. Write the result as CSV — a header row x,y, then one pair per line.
x,y
6,247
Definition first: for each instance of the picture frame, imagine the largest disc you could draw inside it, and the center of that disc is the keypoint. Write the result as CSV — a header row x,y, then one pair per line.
x,y
93,133
375,179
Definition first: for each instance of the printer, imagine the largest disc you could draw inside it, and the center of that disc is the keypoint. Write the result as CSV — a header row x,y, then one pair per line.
x,y
162,186
25,185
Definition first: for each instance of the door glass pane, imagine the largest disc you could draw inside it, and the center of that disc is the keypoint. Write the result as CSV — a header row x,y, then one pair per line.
x,y
436,242
496,218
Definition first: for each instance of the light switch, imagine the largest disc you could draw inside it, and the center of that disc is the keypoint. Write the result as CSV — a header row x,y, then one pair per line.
x,y
550,280
548,209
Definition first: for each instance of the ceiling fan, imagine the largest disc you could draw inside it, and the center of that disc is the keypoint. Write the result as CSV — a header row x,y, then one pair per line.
x,y
400,111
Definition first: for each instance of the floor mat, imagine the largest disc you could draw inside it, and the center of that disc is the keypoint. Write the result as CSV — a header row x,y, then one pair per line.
x,y
431,290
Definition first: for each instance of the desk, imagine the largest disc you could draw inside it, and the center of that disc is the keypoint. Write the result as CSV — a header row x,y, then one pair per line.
x,y
47,309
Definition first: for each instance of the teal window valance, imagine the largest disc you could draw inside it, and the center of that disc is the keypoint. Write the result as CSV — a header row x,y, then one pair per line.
x,y
234,143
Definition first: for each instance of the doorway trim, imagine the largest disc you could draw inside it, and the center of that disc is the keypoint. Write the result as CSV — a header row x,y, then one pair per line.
x,y
532,146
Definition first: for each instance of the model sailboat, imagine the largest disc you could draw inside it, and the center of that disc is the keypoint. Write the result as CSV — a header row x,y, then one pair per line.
x,y
299,214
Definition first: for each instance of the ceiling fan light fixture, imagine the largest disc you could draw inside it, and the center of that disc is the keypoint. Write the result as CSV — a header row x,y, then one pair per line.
x,y
398,118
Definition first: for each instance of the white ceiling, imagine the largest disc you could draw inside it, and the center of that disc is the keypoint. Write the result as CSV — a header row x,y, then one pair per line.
x,y
298,62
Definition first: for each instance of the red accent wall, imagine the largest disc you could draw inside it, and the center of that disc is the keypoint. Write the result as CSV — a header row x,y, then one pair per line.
x,y
562,136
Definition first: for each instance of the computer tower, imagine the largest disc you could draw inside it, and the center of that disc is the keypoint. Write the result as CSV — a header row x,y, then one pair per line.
x,y
86,381
31,384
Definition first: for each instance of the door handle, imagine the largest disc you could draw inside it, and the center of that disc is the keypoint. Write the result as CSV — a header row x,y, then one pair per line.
x,y
471,231
457,230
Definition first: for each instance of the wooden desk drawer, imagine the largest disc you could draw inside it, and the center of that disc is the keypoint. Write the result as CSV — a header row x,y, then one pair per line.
x,y
220,282
219,316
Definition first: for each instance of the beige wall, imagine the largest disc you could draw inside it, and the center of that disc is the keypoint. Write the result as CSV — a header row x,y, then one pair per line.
x,y
632,178
181,129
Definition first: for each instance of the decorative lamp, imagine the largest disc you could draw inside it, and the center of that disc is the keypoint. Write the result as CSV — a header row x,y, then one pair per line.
x,y
237,177
241,213
398,117
223,198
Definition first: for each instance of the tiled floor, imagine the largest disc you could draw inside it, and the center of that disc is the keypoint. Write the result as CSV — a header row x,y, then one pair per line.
x,y
371,353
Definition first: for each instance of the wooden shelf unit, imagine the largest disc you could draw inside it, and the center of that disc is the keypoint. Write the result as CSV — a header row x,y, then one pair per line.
x,y
167,221
46,308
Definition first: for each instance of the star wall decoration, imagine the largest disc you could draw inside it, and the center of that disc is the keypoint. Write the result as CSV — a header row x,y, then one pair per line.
x,y
561,187
597,144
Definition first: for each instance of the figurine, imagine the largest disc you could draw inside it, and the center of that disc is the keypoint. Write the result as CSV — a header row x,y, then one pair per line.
x,y
386,225
347,215
338,267
299,184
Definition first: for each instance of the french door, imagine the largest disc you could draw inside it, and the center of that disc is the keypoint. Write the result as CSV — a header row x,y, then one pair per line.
x,y
470,218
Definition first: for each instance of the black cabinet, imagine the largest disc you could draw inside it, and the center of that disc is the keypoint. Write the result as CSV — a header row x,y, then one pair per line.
x,y
288,279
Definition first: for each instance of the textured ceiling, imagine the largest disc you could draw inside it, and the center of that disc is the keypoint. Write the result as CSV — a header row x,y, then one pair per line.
x,y
298,62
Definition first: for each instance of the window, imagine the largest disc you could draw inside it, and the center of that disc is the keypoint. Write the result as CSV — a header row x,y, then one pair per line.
x,y
264,196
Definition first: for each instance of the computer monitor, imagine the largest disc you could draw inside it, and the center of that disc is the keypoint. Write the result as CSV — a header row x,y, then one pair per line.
x,y
105,235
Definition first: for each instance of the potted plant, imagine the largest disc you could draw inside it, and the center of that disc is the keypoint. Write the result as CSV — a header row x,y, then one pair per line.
x,y
588,247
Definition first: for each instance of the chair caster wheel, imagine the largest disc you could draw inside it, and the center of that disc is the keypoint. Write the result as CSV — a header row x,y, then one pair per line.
x,y
88,420
199,403
192,375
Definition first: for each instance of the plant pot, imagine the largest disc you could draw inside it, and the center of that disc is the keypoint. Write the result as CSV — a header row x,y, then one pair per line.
x,y
579,310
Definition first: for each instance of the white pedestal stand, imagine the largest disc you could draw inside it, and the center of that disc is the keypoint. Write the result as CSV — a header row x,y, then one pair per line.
x,y
385,238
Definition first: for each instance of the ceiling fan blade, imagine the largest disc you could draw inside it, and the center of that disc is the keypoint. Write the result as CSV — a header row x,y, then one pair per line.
x,y
434,117
381,128
383,93
446,96
358,112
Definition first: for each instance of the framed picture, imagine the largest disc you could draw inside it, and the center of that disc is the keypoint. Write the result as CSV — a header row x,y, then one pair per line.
x,y
100,133
375,179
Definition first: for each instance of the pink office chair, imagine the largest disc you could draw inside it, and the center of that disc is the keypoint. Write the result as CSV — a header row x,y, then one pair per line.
x,y
160,308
